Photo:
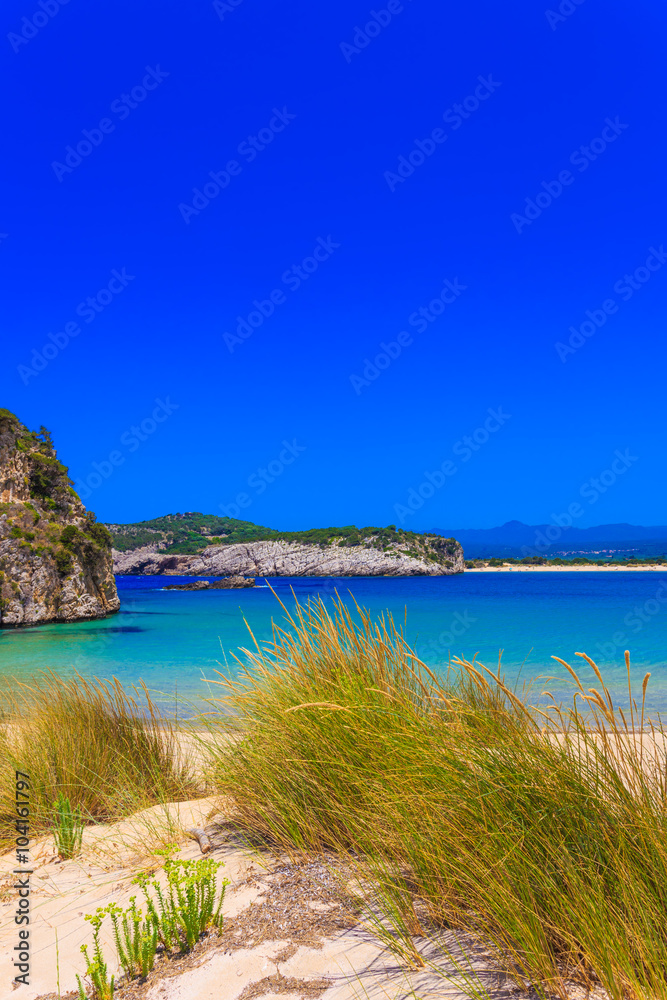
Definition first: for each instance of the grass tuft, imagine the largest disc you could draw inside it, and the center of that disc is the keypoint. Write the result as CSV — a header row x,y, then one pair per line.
x,y
543,832
104,750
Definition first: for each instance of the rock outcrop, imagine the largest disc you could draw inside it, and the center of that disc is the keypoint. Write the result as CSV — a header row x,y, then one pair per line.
x,y
55,561
229,583
434,556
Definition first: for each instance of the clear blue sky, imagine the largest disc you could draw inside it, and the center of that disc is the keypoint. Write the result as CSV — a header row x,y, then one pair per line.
x,y
362,161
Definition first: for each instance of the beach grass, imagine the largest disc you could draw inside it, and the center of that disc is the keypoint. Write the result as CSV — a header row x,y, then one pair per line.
x,y
540,831
468,811
106,751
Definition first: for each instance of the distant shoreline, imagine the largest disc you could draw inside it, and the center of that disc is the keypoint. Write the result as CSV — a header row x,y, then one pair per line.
x,y
653,567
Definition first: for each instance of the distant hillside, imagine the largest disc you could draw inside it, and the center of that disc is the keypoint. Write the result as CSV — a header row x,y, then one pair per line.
x,y
606,541
190,533
205,544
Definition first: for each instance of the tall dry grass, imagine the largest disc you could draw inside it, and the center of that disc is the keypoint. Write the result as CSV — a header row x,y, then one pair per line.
x,y
105,749
543,832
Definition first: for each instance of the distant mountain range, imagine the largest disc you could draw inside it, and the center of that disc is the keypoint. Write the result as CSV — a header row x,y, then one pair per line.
x,y
517,539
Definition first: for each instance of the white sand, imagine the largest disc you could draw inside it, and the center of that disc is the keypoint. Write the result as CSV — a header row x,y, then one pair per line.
x,y
568,569
61,894
355,963
280,963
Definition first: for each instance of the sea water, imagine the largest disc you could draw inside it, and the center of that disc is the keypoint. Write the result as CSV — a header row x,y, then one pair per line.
x,y
177,641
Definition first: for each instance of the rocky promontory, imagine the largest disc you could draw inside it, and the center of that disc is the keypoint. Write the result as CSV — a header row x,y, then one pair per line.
x,y
55,561
431,556
229,583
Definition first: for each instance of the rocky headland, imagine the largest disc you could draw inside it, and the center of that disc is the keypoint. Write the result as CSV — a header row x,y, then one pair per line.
x,y
229,583
55,561
430,556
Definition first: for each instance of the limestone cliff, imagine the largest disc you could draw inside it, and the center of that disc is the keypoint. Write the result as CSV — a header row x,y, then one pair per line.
x,y
55,561
424,555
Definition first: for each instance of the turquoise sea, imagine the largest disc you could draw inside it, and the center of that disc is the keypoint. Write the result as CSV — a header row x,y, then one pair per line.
x,y
176,640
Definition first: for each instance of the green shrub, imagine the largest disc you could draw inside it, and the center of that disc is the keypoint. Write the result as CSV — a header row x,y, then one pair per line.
x,y
64,563
68,534
100,535
41,485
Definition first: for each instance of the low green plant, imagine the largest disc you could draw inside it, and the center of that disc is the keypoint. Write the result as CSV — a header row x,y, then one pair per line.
x,y
136,938
176,917
96,967
67,827
188,906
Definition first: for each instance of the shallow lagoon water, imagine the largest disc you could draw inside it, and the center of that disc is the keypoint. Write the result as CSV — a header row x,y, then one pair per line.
x,y
173,640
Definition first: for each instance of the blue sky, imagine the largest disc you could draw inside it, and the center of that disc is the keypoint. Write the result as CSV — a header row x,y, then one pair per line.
x,y
286,258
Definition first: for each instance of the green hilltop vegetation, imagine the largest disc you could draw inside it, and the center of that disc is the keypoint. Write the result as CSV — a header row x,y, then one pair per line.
x,y
190,533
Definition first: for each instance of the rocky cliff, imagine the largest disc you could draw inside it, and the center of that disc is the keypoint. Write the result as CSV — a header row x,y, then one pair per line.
x,y
424,555
55,561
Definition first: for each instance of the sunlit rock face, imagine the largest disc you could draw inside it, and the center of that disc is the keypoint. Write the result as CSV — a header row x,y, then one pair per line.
x,y
431,556
55,561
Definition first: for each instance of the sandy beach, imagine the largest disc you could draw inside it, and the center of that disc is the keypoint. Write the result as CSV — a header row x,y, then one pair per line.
x,y
651,568
293,928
